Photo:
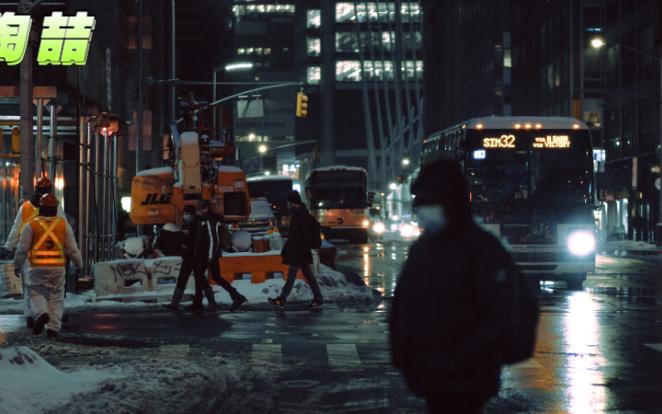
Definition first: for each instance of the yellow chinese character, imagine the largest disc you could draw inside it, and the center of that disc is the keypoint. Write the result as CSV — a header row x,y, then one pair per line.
x,y
14,33
65,40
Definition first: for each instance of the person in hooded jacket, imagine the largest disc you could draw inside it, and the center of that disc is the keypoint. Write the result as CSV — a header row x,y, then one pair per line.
x,y
454,307
185,243
296,252
207,250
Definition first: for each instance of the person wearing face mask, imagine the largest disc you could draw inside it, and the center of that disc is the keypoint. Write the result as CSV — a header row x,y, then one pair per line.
x,y
207,250
186,240
454,307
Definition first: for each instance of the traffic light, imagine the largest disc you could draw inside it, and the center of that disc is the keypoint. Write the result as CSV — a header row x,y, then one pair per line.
x,y
302,105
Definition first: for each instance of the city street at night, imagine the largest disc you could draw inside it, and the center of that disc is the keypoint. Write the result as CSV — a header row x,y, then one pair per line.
x,y
327,206
598,350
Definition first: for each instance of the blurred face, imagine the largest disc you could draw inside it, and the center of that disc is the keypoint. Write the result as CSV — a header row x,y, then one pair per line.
x,y
202,211
431,217
187,217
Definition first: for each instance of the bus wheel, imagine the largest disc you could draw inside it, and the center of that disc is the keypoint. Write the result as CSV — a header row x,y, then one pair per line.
x,y
576,281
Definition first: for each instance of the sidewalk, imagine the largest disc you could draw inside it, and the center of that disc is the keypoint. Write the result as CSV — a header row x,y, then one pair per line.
x,y
631,249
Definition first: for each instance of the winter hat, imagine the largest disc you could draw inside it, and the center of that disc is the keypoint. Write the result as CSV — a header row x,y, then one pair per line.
x,y
204,204
439,182
443,182
294,198
189,209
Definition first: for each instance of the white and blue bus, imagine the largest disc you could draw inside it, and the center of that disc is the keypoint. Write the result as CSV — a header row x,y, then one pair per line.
x,y
531,184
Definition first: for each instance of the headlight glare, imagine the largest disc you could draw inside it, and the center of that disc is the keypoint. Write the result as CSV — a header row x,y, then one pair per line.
x,y
379,227
581,243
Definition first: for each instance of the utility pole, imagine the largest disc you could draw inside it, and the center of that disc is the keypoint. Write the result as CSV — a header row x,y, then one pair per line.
x,y
27,139
139,84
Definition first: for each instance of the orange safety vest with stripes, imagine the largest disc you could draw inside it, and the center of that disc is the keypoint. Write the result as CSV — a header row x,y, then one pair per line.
x,y
28,212
47,248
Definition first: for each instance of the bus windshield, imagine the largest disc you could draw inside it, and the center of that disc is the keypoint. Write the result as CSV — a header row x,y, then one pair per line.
x,y
275,191
543,170
337,189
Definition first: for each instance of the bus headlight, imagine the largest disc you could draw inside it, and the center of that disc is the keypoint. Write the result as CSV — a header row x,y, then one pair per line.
x,y
581,243
379,227
365,224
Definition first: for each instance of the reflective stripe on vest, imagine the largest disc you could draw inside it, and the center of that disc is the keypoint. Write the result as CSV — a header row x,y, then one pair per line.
x,y
29,211
47,236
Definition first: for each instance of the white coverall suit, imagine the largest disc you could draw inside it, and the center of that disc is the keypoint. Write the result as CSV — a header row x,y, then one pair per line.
x,y
45,286
26,212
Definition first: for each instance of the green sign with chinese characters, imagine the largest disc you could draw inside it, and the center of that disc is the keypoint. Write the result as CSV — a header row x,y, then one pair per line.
x,y
65,40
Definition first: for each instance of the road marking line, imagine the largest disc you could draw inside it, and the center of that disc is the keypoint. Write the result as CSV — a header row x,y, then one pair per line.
x,y
267,353
342,355
529,363
174,350
657,347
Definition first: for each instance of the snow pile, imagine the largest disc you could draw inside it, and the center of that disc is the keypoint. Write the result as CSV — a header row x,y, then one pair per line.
x,y
32,385
632,248
154,385
335,287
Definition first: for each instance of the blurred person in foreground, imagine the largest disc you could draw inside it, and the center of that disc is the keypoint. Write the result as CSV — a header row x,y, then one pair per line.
x,y
454,308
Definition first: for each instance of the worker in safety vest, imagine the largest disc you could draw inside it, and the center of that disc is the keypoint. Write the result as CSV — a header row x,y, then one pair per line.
x,y
26,212
46,241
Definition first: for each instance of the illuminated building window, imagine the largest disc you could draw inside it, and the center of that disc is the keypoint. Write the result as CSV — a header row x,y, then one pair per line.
x,y
507,58
348,71
241,51
314,75
313,19
314,47
372,11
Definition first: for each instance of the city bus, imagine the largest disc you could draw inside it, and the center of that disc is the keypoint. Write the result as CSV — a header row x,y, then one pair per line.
x,y
338,199
275,189
531,184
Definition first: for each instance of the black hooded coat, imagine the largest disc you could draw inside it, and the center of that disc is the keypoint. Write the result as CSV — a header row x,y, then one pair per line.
x,y
454,308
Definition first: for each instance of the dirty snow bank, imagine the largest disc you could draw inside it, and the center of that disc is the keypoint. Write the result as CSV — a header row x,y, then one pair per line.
x,y
154,385
31,385
335,286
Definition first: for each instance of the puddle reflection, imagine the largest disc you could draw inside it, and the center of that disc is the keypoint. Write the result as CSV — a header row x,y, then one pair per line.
x,y
582,343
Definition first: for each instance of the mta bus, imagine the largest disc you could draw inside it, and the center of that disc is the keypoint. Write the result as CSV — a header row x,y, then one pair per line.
x,y
531,184
275,189
338,199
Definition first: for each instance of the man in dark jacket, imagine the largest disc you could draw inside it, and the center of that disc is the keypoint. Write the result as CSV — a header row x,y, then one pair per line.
x,y
454,306
207,250
186,241
296,252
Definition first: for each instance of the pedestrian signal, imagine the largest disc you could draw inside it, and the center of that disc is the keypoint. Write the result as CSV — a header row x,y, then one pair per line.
x,y
302,105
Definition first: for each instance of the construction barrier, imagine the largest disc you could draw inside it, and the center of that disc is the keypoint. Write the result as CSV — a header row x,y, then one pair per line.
x,y
10,284
256,267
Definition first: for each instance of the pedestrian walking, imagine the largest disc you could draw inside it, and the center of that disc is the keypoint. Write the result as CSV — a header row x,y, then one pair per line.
x,y
296,252
28,210
168,242
45,241
207,250
185,248
454,310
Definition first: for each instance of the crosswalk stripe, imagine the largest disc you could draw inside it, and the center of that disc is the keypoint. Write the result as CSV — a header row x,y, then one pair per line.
x,y
342,355
266,353
657,347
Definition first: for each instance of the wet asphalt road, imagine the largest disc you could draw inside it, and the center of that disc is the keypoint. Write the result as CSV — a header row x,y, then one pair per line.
x,y
598,350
